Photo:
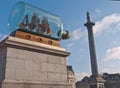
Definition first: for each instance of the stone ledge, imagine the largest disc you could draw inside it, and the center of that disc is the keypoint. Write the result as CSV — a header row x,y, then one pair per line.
x,y
13,42
36,82
32,85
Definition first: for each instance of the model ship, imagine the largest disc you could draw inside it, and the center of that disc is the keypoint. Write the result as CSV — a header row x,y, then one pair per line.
x,y
35,25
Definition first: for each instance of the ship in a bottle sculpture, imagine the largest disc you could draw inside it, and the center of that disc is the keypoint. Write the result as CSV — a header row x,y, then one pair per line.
x,y
34,24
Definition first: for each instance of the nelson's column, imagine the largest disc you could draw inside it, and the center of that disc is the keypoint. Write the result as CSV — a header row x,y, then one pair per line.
x,y
95,80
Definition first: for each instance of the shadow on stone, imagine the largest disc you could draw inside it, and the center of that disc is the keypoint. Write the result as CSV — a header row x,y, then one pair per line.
x,y
0,84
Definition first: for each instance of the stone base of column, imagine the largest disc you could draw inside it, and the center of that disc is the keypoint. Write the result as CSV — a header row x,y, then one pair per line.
x,y
96,82
91,82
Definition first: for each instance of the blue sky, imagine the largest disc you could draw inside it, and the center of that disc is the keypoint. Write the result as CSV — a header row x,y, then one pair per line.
x,y
106,15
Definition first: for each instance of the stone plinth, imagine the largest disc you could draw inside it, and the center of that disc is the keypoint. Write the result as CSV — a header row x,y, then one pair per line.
x,y
27,64
91,82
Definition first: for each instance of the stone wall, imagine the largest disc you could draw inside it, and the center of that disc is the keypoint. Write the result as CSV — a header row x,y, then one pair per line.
x,y
112,84
26,64
33,85
34,66
2,63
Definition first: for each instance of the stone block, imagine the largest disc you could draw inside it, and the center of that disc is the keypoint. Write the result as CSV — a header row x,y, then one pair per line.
x,y
10,74
65,86
64,69
11,52
38,76
28,65
20,74
63,61
20,64
36,66
50,86
54,59
24,54
3,57
2,74
54,77
39,57
2,64
47,67
11,63
64,77
60,68
12,85
28,76
3,54
33,86
15,63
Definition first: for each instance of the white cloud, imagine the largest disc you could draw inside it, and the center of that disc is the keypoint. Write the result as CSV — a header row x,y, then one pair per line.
x,y
97,10
116,42
111,70
70,45
107,22
81,75
112,54
78,33
105,70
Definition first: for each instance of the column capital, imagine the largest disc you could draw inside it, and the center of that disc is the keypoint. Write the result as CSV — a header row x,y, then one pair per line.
x,y
89,24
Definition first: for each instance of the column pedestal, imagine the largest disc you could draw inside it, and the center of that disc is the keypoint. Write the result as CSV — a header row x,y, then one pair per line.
x,y
91,82
28,64
96,82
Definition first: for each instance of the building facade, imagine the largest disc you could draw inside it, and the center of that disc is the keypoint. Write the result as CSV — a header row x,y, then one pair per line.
x,y
112,81
71,76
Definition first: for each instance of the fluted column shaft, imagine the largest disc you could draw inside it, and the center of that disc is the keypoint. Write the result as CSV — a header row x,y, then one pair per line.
x,y
93,58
